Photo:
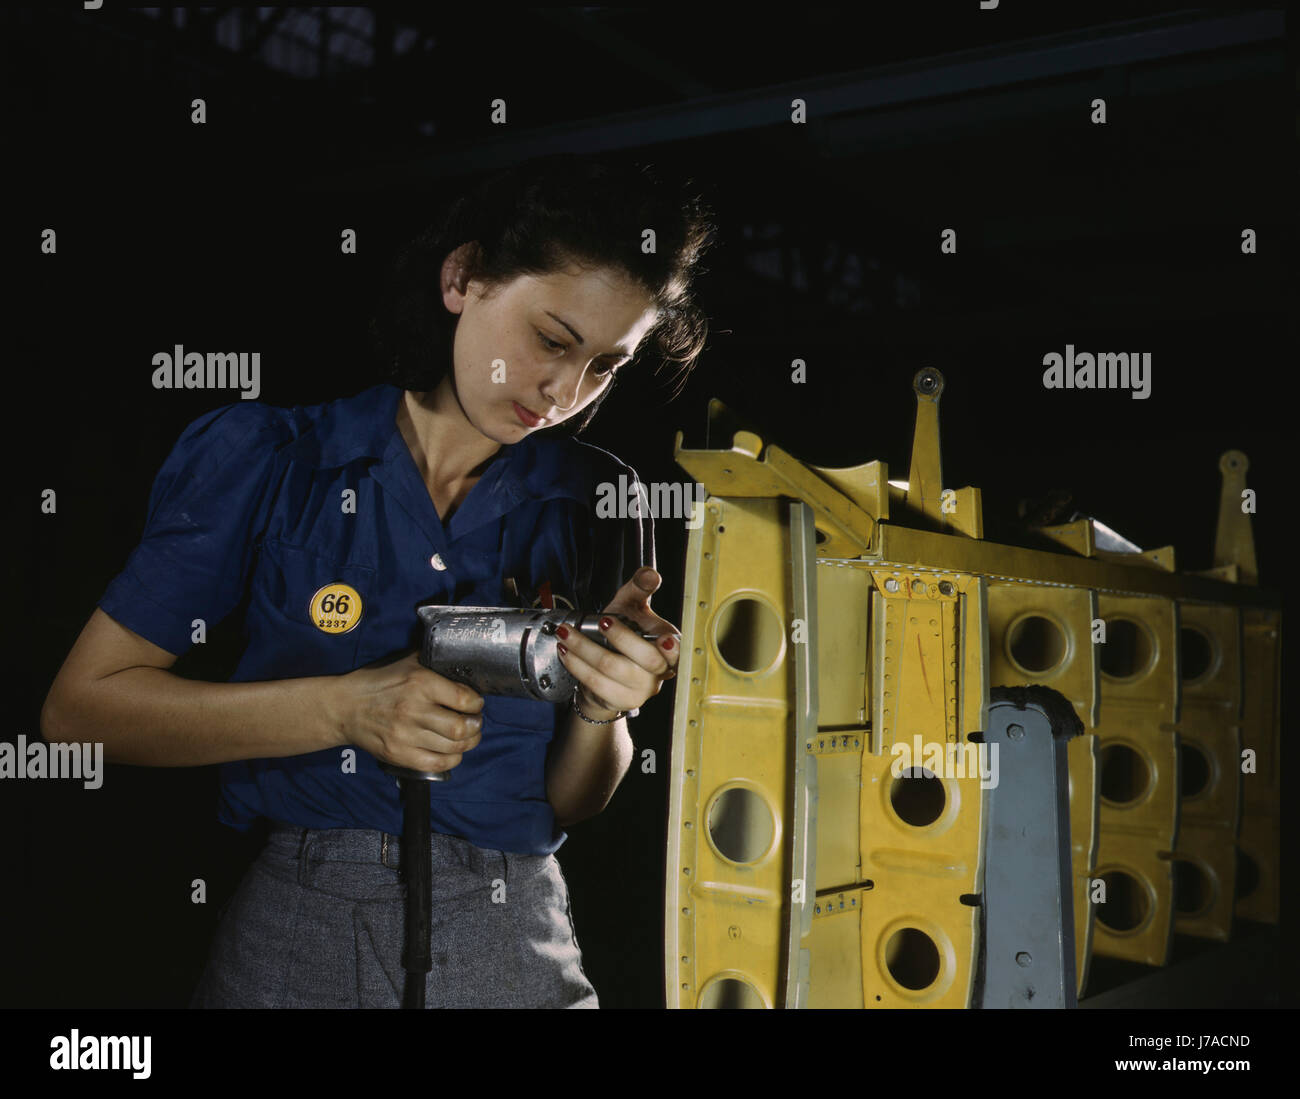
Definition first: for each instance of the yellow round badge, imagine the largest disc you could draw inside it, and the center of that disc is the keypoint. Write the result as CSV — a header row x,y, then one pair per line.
x,y
336,608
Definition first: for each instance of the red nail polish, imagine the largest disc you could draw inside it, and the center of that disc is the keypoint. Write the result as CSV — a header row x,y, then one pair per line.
x,y
562,632
562,649
668,643
605,623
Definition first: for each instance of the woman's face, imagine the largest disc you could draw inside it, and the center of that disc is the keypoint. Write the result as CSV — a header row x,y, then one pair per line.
x,y
539,350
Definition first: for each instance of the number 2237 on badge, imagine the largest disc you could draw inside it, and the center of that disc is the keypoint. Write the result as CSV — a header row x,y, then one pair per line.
x,y
336,608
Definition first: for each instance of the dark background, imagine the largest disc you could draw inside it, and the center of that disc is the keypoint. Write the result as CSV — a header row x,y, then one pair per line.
x,y
225,236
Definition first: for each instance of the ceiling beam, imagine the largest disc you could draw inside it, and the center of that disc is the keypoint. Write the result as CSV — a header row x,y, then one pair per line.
x,y
902,87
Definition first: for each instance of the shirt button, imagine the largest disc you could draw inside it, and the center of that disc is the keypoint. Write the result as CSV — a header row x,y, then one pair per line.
x,y
437,562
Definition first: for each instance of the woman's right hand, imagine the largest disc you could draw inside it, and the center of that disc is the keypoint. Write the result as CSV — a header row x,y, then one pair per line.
x,y
405,714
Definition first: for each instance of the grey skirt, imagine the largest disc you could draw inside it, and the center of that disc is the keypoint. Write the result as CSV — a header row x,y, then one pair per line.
x,y
319,919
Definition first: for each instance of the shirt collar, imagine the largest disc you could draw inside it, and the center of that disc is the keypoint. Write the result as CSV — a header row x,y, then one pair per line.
x,y
365,426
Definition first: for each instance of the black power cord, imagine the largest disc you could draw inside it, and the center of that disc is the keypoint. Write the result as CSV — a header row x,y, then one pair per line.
x,y
417,873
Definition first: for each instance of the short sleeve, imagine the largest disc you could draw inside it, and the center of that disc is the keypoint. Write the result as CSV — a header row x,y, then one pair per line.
x,y
206,511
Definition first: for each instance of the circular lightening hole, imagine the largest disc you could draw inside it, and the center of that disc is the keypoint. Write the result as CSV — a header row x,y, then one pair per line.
x,y
1196,651
1128,651
730,993
1126,904
1193,890
912,958
1037,644
918,800
1195,767
741,824
748,635
1124,774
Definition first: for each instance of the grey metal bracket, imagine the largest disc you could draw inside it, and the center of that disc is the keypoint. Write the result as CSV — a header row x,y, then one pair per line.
x,y
1026,956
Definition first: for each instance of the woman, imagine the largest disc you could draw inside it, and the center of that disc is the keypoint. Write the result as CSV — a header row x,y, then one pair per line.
x,y
505,329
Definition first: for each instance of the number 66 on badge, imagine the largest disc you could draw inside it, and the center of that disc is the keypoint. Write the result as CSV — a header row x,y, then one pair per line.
x,y
336,608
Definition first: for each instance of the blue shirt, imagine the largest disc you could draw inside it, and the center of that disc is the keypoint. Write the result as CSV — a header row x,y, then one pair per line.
x,y
270,505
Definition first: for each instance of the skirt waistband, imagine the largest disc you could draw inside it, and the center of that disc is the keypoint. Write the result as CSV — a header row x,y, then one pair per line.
x,y
369,845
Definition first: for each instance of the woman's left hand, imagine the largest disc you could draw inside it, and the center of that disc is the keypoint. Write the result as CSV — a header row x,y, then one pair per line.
x,y
623,680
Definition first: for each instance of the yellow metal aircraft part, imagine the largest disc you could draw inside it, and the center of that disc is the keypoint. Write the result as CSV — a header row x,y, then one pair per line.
x,y
920,834
958,510
1081,537
1259,856
1259,867
732,891
844,527
1140,690
730,882
1210,741
1043,635
1234,542
912,627
896,853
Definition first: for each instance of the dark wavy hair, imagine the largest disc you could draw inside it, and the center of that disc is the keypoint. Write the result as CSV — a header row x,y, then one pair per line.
x,y
538,218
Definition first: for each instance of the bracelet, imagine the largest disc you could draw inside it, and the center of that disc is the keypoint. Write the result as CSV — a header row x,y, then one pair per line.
x,y
589,720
